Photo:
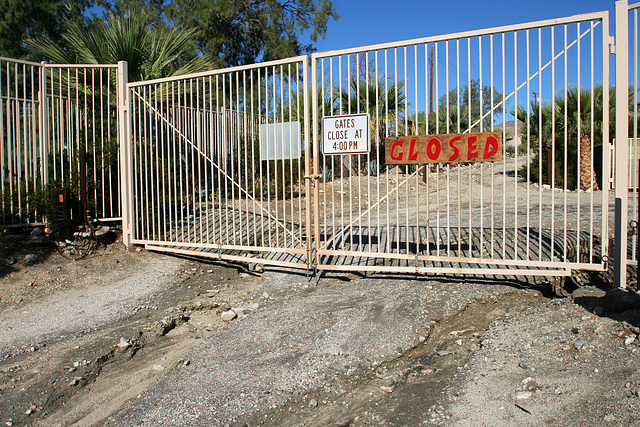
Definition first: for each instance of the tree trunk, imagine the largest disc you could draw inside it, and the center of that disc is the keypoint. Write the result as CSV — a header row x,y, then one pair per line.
x,y
549,167
587,173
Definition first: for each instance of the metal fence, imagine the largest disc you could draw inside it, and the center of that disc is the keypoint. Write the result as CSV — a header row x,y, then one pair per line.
x,y
219,162
49,114
229,163
540,210
21,175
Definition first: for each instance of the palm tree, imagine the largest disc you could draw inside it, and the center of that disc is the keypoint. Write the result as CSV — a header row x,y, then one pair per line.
x,y
580,114
150,52
575,117
384,102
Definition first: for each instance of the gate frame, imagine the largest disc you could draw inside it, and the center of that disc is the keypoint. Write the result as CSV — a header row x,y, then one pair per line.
x,y
127,147
548,268
617,45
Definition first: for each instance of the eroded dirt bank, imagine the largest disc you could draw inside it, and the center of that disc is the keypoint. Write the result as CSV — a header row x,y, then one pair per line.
x,y
135,338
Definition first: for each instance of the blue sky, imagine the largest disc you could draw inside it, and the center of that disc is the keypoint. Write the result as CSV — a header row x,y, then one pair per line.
x,y
367,22
370,22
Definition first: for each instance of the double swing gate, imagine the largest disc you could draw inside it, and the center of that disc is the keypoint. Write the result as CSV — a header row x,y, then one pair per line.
x,y
230,163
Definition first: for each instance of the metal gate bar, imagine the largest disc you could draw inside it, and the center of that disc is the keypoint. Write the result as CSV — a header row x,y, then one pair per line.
x,y
634,150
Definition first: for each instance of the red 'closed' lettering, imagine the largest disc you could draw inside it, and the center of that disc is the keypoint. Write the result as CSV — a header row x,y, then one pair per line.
x,y
456,150
397,144
491,148
413,153
434,147
472,147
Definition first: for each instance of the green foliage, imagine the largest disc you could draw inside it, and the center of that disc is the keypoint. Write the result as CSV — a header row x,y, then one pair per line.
x,y
326,174
150,52
555,131
385,103
510,150
24,19
237,32
468,109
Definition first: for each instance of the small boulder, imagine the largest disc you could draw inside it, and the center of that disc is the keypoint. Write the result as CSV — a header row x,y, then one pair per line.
x,y
228,316
30,258
37,231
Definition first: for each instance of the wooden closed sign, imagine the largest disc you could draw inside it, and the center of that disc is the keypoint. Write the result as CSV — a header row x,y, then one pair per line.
x,y
444,148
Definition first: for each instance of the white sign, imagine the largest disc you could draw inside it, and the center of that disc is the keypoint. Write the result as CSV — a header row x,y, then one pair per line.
x,y
345,134
280,141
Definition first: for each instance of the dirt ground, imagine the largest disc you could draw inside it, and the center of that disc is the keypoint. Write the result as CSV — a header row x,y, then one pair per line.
x,y
137,338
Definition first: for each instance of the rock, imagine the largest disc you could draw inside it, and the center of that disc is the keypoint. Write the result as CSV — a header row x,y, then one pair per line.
x,y
522,395
228,316
629,340
28,412
443,352
598,311
529,384
395,170
158,368
240,311
37,231
313,403
101,231
386,388
609,418
239,425
10,260
124,343
30,258
580,344
619,300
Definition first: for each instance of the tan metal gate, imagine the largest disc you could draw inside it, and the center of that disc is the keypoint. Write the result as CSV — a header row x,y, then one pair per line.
x,y
223,164
218,163
539,211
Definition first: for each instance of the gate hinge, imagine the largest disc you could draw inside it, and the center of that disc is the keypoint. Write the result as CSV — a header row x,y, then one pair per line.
x,y
314,176
612,45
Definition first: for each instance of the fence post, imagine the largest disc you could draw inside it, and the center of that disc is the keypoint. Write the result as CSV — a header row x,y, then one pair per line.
x,y
43,112
124,141
622,143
